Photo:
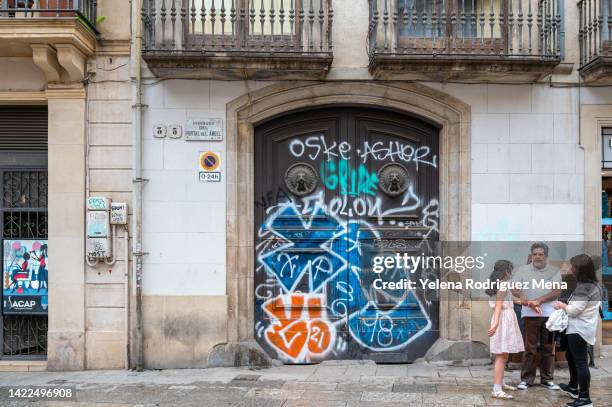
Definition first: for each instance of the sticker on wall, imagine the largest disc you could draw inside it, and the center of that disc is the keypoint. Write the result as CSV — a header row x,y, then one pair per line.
x,y
25,277
210,162
204,130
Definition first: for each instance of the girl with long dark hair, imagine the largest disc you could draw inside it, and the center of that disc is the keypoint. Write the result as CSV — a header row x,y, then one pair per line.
x,y
582,311
504,332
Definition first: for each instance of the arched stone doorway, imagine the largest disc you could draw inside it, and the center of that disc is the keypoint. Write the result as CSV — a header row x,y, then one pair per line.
x,y
449,114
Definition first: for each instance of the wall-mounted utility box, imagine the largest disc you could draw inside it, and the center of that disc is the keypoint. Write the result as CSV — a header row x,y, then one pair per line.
x,y
99,248
118,213
98,228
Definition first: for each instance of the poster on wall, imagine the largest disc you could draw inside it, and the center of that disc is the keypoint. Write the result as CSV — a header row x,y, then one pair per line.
x,y
25,277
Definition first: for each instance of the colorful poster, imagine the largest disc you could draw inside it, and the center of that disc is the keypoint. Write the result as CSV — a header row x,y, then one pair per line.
x,y
25,277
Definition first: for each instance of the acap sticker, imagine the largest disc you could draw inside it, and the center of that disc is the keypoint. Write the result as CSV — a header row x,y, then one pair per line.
x,y
209,161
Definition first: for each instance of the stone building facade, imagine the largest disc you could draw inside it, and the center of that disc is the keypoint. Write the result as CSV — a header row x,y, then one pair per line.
x,y
496,115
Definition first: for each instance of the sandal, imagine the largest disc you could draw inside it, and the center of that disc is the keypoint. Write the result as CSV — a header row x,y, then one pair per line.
x,y
508,387
501,395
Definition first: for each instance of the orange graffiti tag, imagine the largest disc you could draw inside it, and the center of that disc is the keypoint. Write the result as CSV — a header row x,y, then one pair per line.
x,y
300,328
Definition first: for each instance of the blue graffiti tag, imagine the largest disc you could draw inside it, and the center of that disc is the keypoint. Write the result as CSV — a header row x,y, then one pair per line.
x,y
383,330
369,325
334,257
306,249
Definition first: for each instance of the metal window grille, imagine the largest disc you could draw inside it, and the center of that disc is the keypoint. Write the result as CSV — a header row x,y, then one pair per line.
x,y
23,211
24,214
25,335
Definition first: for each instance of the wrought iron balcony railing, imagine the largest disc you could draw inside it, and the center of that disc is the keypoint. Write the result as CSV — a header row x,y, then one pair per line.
x,y
237,30
502,31
595,37
83,10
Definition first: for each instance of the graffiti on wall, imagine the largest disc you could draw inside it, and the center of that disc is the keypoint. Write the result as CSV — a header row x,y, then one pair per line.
x,y
314,294
25,277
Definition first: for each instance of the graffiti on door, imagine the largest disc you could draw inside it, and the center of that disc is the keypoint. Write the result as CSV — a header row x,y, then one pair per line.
x,y
301,330
315,146
347,180
314,294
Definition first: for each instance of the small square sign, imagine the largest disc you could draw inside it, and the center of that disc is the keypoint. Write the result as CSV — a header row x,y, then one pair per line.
x,y
207,176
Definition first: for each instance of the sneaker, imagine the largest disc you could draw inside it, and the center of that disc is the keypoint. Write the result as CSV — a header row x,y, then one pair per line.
x,y
522,386
570,391
550,385
501,395
580,403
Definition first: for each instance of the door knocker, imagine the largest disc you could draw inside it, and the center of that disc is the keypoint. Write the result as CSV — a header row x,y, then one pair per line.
x,y
393,179
301,179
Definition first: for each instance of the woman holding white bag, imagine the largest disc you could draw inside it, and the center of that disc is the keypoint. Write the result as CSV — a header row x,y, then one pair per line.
x,y
582,312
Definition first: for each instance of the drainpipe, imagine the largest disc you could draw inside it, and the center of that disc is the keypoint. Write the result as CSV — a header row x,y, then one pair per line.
x,y
137,179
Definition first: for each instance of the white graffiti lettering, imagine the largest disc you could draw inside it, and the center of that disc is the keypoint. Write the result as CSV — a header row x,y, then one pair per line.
x,y
394,151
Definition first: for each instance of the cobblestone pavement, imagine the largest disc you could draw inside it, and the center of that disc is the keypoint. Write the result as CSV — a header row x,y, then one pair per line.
x,y
334,383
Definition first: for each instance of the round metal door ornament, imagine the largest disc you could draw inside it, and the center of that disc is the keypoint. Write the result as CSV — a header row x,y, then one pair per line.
x,y
301,179
393,179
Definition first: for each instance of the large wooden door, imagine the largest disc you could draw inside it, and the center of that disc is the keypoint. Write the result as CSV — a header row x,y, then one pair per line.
x,y
335,188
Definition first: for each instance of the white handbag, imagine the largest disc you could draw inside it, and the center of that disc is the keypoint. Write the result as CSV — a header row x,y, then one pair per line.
x,y
557,321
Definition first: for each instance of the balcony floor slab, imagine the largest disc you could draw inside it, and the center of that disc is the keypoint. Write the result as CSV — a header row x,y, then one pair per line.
x,y
470,68
598,71
238,65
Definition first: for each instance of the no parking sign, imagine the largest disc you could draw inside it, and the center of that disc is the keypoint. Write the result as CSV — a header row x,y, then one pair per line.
x,y
209,163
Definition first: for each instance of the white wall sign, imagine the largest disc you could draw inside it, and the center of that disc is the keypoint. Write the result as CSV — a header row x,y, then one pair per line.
x,y
204,129
210,176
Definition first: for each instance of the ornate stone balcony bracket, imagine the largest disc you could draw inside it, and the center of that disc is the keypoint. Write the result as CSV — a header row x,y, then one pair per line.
x,y
72,60
45,57
63,63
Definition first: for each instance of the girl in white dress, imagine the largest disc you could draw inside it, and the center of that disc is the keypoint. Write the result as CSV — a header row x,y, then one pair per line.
x,y
505,333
